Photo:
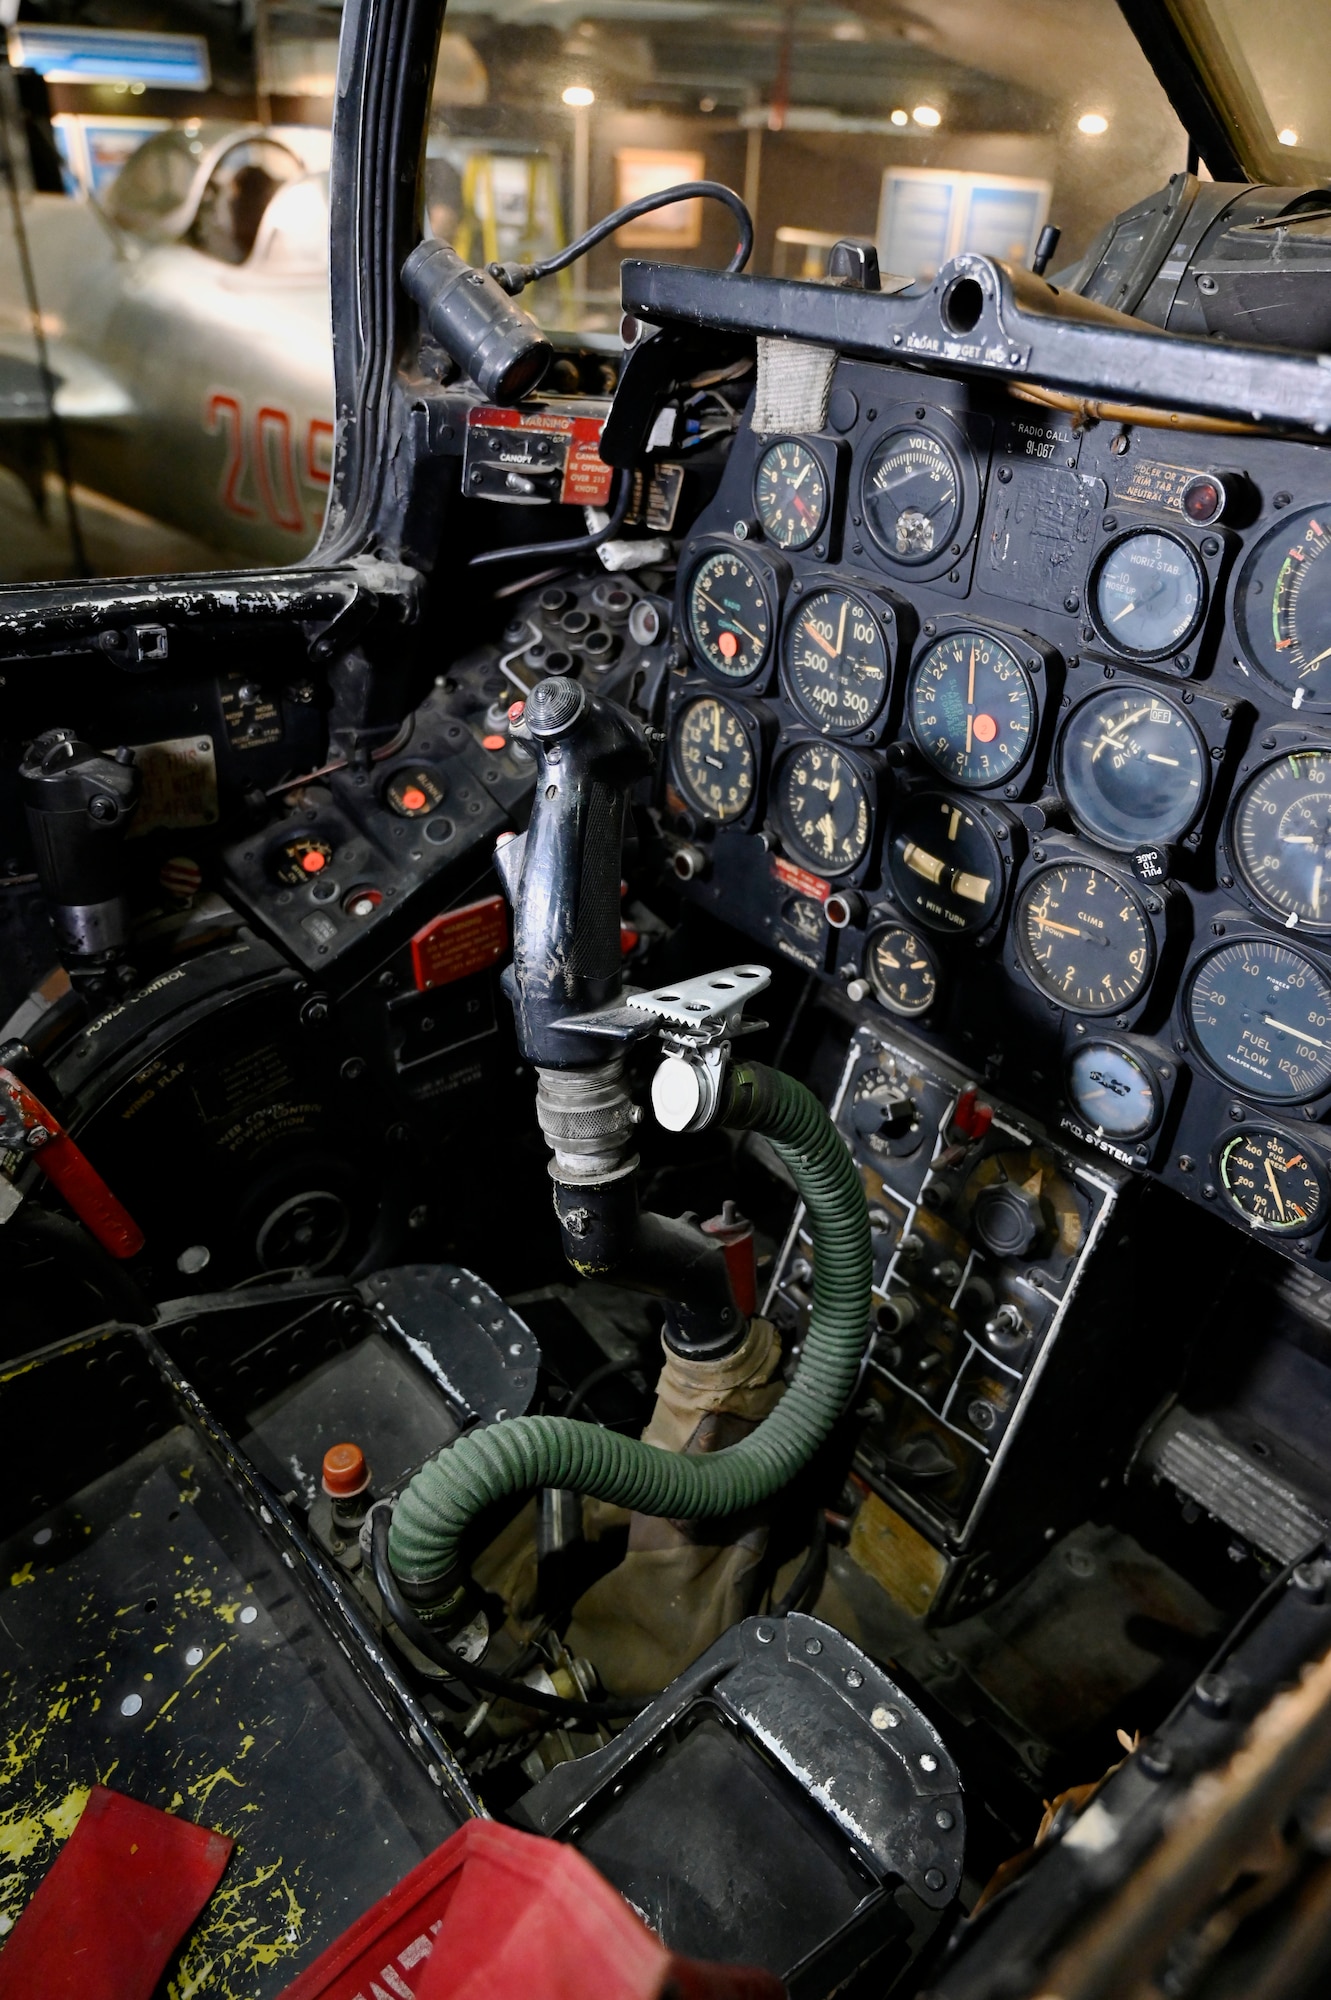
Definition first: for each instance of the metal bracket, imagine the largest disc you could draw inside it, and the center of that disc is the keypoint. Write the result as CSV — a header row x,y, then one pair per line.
x,y
698,1020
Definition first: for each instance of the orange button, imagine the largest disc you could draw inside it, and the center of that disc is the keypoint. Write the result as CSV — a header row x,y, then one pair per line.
x,y
344,1471
985,728
492,742
313,861
413,799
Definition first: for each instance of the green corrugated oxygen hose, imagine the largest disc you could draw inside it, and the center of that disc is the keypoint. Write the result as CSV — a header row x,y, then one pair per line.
x,y
529,1452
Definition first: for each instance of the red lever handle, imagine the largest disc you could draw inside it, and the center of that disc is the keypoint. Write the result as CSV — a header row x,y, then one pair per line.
x,y
68,1168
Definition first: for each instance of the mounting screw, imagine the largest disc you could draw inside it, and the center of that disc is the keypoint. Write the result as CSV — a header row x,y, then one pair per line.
x,y
314,1011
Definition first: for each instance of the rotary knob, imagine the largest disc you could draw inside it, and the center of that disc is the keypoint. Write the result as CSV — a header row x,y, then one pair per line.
x,y
1009,1220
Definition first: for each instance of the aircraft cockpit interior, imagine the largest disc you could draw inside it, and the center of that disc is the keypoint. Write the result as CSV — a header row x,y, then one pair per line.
x,y
665,1094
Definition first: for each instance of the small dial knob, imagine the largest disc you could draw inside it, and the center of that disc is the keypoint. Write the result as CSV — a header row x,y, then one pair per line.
x,y
1008,1220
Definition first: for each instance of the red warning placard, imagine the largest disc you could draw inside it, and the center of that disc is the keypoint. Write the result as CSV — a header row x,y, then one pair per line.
x,y
800,878
459,942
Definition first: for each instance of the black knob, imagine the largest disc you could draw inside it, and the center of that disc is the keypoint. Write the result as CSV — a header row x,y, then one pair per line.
x,y
1008,1220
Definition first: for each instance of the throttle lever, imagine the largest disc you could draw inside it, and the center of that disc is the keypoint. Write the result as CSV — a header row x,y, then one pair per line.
x,y
26,1123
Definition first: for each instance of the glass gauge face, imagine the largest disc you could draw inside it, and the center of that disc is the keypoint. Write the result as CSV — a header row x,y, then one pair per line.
x,y
911,494
836,660
1148,594
902,971
1133,768
1284,606
714,758
1273,1180
1113,1091
945,864
1282,837
972,710
1260,1013
1084,939
790,494
727,615
823,809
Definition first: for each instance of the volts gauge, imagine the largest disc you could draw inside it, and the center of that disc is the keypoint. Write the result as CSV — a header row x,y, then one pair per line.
x,y
790,494
1281,838
912,496
1148,592
1084,939
1273,1180
823,809
1283,606
714,758
836,660
972,708
1132,767
1260,1014
728,616
1113,1090
902,971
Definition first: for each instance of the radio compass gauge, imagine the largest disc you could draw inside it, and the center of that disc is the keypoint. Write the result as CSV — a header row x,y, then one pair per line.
x,y
911,495
728,617
1283,607
972,709
1273,1181
1282,837
945,865
902,971
714,758
1260,1013
1147,594
823,809
1084,939
1113,1091
836,660
1132,768
790,494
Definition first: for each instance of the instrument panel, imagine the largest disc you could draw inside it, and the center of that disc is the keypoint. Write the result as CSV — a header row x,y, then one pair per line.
x,y
1019,732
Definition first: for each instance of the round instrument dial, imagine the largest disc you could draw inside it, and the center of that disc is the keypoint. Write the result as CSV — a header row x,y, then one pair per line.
x,y
823,809
1084,939
911,495
972,708
301,859
1282,837
1273,1180
1283,607
728,617
1132,767
836,660
945,864
714,758
1147,594
902,971
1113,1090
1260,1013
413,792
790,494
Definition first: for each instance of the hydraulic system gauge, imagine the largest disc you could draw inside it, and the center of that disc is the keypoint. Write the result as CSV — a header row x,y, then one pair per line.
x,y
836,660
1148,592
1282,837
1084,939
972,708
413,792
714,758
912,497
1260,1013
1283,606
902,971
823,809
1273,1180
304,858
1132,767
1112,1089
728,617
790,494
945,864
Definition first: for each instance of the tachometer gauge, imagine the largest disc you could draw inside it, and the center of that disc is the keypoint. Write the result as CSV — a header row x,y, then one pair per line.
x,y
1282,837
1273,1180
945,864
1132,767
790,494
911,495
1113,1091
1283,606
1147,594
728,618
823,809
902,971
1084,939
836,660
1260,1013
714,758
972,708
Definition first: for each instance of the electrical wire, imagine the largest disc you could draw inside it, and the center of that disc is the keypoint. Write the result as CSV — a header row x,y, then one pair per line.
x,y
577,546
809,1570
515,277
478,1678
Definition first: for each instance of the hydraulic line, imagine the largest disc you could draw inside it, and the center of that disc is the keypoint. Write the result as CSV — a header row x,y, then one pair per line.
x,y
448,1494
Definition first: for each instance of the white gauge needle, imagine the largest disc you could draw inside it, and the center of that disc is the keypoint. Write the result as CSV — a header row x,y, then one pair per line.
x,y
1275,1190
819,640
1317,890
1299,1034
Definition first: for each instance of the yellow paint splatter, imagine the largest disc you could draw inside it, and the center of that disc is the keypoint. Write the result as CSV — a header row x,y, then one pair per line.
x,y
23,1575
253,1922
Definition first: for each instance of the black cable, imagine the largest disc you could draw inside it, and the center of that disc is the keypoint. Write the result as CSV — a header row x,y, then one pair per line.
x,y
577,546
594,1380
479,1678
795,1591
515,277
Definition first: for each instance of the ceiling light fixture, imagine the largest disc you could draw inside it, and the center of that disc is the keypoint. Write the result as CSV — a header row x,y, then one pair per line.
x,y
1092,123
1289,137
578,97
924,114
900,117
